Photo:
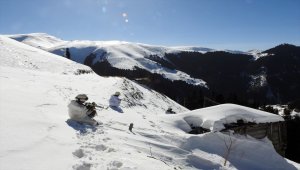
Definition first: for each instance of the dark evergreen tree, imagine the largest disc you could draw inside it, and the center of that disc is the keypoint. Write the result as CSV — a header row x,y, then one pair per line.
x,y
67,53
269,109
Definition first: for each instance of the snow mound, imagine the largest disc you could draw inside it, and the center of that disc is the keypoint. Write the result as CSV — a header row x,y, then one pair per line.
x,y
214,118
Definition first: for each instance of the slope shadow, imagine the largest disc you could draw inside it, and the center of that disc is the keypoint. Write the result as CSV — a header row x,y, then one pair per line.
x,y
118,109
80,127
201,163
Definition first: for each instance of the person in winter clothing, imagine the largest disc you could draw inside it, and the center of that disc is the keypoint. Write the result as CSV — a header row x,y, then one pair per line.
x,y
130,127
82,111
115,101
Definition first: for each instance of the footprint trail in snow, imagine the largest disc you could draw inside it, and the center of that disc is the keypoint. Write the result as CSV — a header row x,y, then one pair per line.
x,y
93,148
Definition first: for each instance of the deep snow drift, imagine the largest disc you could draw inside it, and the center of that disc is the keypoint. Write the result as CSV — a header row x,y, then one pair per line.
x,y
35,132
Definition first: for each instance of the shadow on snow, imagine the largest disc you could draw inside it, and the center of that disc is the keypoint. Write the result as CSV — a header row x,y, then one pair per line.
x,y
80,127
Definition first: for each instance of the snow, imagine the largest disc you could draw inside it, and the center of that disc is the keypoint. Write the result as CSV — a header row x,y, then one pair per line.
x,y
240,155
257,54
281,108
27,57
295,114
39,40
36,134
214,118
120,54
258,80
124,55
189,49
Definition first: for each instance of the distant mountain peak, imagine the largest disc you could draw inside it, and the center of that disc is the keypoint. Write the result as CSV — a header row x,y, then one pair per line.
x,y
282,48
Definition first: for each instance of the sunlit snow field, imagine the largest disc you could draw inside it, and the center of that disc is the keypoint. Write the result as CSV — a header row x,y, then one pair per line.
x,y
36,134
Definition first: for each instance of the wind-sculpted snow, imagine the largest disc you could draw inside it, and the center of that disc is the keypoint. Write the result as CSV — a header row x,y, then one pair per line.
x,y
36,133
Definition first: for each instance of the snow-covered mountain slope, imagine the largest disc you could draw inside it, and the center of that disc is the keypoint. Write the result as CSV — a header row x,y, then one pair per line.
x,y
19,55
126,56
120,54
36,87
36,134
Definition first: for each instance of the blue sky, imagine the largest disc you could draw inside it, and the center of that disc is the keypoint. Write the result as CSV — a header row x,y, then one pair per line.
x,y
220,24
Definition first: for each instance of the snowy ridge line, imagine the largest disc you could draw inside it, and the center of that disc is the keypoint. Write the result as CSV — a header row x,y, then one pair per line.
x,y
120,54
39,40
124,55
